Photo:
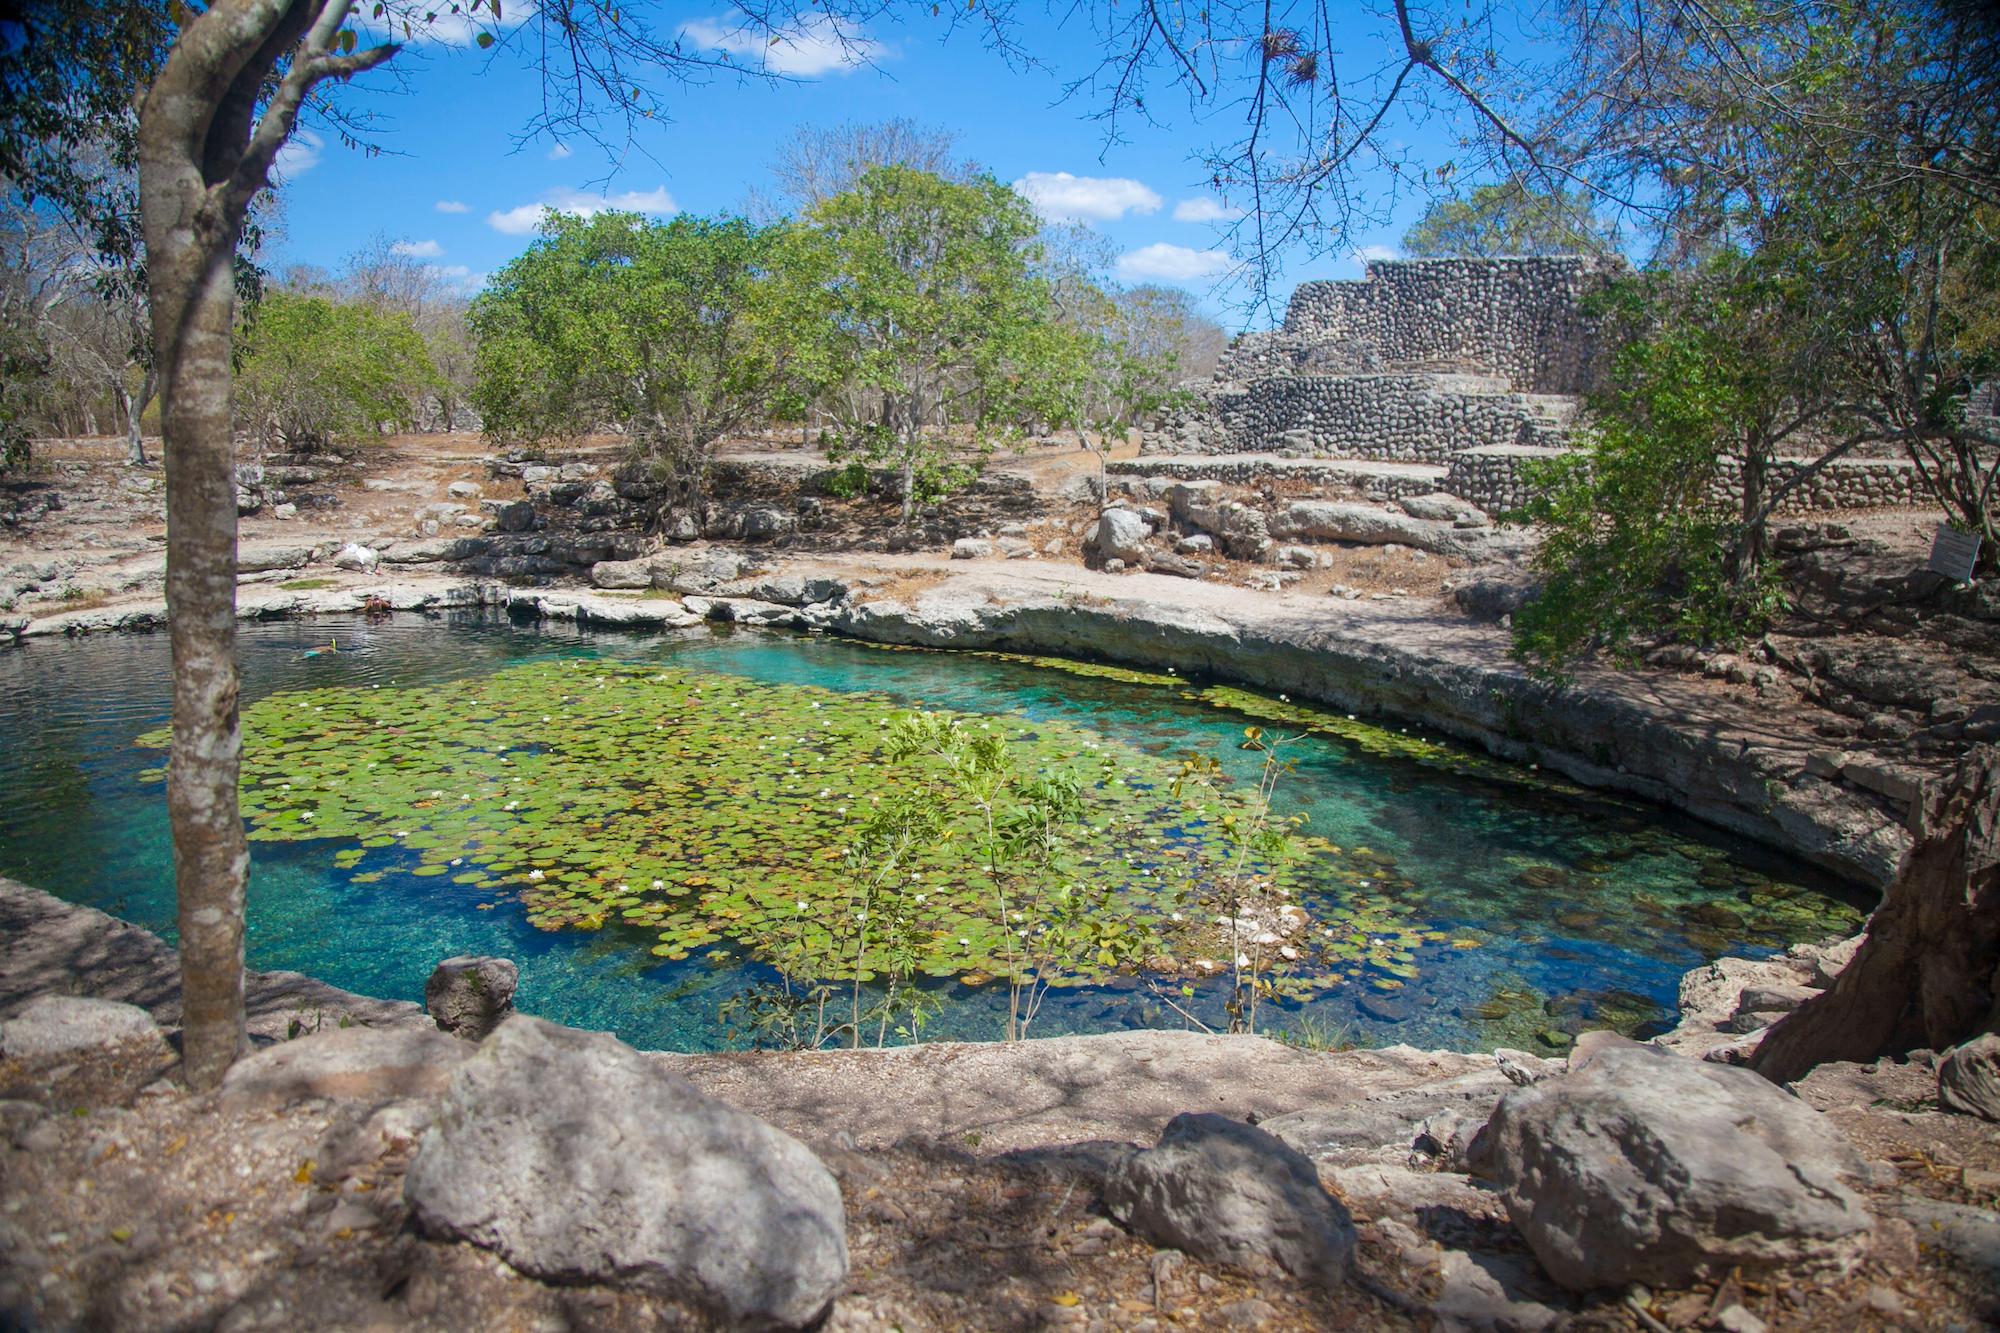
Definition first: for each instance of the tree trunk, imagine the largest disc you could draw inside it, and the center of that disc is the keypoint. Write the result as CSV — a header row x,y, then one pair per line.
x,y
205,149
211,858
135,412
1748,556
1928,975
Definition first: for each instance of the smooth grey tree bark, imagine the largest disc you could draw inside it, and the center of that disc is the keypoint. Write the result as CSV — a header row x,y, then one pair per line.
x,y
209,129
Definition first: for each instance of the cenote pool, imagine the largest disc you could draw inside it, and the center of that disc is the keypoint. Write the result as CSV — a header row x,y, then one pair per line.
x,y
647,824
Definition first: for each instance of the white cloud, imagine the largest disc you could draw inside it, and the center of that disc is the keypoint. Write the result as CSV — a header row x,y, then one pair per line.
x,y
559,152
1061,197
813,45
461,279
453,206
299,155
1171,263
527,218
417,249
1370,254
1205,208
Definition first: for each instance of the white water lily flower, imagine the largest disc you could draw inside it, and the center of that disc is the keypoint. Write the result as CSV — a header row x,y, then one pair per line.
x,y
458,860
535,875
802,904
436,794
920,897
307,815
1177,916
659,884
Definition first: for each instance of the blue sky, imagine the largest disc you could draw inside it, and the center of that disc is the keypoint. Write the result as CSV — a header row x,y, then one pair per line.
x,y
453,184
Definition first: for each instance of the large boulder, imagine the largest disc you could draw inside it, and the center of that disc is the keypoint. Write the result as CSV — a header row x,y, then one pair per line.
x,y
469,997
1646,1167
622,574
576,1158
1969,1077
1230,1193
1349,521
1120,534
63,1025
343,1064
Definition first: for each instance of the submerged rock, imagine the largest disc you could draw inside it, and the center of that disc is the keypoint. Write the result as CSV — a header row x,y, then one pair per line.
x,y
576,1158
469,997
1646,1167
1230,1193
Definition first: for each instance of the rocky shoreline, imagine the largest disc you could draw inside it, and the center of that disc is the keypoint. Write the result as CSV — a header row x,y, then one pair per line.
x,y
1668,740
361,1167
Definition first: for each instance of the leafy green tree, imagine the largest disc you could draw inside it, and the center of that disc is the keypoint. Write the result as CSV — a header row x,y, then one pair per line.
x,y
672,331
315,373
935,317
1511,218
1639,533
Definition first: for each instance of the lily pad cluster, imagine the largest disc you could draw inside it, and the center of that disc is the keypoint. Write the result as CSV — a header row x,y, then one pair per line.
x,y
713,812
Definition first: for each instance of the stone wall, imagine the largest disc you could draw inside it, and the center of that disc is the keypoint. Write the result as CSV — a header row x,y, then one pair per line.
x,y
1520,319
1409,418
1153,475
1492,479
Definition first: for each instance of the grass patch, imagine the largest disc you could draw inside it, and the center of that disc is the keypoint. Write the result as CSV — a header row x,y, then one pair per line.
x,y
306,585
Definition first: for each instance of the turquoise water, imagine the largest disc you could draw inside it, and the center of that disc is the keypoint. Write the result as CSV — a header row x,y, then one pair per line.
x,y
1563,910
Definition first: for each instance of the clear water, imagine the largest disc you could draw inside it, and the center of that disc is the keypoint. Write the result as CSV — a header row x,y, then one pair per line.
x,y
1579,911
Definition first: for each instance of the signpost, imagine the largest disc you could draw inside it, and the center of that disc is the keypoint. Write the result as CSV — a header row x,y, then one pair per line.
x,y
1953,553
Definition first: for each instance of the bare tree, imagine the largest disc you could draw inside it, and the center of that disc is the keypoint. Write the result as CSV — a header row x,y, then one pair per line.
x,y
821,161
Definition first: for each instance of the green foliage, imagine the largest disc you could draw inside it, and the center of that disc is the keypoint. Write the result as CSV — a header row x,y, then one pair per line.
x,y
313,372
1511,218
932,318
1636,539
675,331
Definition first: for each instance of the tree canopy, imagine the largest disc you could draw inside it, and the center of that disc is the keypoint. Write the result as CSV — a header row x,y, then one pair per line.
x,y
676,332
932,313
1511,218
315,373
